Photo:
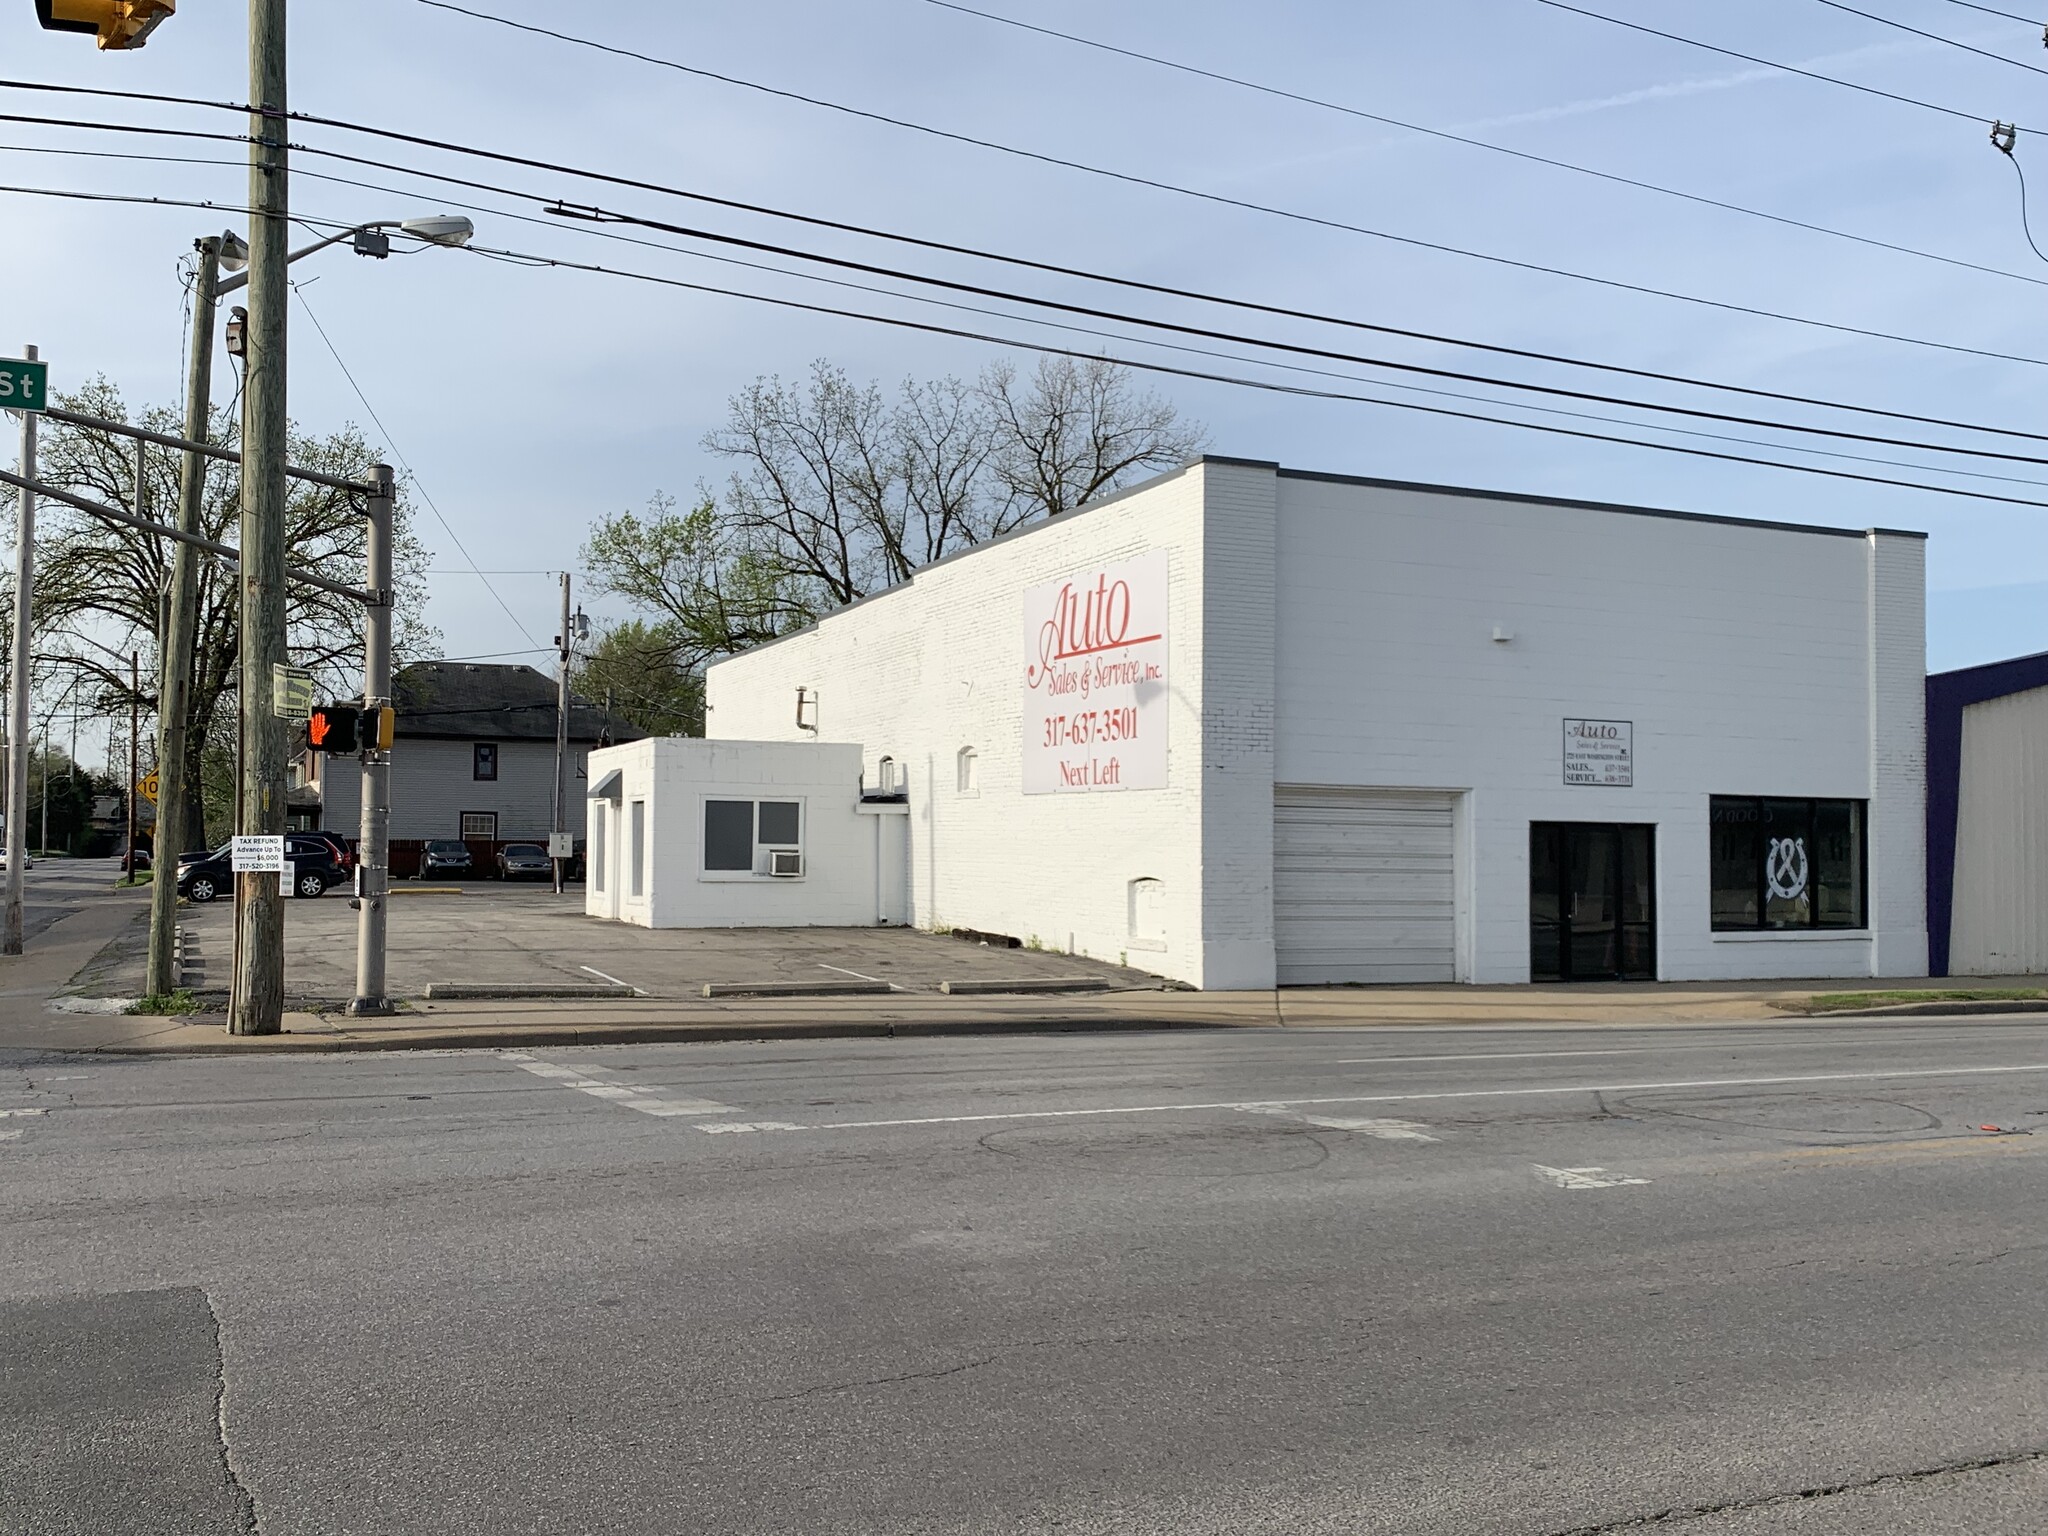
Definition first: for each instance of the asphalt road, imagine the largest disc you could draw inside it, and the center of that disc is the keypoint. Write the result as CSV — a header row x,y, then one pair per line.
x,y
1726,1282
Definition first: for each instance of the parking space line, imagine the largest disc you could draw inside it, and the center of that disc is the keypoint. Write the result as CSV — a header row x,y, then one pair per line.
x,y
601,976
858,976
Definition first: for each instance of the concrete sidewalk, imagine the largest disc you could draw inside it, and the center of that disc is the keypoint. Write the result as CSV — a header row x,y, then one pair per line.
x,y
496,1024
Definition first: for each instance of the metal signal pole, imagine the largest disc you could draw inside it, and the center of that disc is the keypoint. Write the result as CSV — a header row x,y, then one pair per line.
x,y
257,1004
373,853
562,642
13,924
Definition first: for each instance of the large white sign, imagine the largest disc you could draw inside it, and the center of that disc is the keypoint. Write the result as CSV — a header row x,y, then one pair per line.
x,y
1601,752
1095,700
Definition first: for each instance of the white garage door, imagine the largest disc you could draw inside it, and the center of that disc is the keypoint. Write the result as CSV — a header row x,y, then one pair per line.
x,y
1362,887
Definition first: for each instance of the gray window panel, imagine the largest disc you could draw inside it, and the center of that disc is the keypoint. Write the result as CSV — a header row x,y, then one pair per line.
x,y
779,823
729,835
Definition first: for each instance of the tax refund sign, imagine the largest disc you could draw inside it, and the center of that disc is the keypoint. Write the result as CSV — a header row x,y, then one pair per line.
x,y
1095,699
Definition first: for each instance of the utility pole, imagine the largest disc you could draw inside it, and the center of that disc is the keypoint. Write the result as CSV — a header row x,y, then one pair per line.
x,y
134,756
373,853
562,733
13,923
257,1004
174,693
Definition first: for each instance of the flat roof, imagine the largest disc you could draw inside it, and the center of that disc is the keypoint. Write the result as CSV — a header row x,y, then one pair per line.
x,y
1475,493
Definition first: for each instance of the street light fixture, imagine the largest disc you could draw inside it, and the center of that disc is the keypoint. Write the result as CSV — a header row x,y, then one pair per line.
x,y
368,240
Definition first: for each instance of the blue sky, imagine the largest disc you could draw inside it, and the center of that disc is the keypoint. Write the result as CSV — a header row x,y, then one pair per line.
x,y
528,402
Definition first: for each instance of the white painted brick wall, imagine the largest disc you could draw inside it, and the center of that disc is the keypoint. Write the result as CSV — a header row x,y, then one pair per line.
x,y
927,669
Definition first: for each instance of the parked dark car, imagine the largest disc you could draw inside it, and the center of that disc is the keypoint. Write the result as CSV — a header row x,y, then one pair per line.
x,y
340,854
524,861
136,860
204,876
445,856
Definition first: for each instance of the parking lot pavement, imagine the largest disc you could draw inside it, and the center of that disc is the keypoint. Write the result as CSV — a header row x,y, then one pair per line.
x,y
525,935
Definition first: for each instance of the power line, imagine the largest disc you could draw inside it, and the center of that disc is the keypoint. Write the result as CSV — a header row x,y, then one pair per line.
x,y
1933,37
1499,149
1971,5
1287,389
1751,58
1024,262
1217,198
1280,346
446,526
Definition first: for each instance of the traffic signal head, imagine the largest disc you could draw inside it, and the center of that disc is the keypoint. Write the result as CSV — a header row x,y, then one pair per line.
x,y
380,728
116,23
335,728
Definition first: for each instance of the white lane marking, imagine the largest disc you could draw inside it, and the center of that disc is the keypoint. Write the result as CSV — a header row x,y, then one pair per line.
x,y
1583,1178
1261,1105
1385,1130
600,975
719,1127
12,1135
9,1113
621,1094
857,976
1626,1050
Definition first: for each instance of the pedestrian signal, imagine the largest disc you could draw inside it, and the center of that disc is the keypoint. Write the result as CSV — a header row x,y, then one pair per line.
x,y
335,728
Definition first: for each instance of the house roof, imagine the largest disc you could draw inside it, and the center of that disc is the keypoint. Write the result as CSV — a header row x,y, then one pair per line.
x,y
484,701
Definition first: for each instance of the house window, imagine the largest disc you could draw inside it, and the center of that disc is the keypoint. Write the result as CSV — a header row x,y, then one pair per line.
x,y
480,825
483,761
738,833
967,769
597,831
636,827
1787,864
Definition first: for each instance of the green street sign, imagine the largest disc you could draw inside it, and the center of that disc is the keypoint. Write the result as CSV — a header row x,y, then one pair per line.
x,y
24,386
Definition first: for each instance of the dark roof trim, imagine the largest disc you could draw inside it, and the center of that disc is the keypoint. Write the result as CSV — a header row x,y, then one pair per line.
x,y
1529,499
1948,695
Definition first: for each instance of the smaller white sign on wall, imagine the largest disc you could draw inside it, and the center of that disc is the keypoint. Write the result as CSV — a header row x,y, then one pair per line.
x,y
1600,752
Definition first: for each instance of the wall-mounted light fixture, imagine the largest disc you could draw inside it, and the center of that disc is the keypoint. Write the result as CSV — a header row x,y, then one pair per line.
x,y
1502,634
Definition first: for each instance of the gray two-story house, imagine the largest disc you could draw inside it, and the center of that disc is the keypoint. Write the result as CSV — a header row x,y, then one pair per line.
x,y
474,757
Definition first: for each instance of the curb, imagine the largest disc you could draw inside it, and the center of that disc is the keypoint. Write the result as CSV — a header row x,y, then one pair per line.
x,y
1928,1010
640,1034
1023,985
505,992
797,989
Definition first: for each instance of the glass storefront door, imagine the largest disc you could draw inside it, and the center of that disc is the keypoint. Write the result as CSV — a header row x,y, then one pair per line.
x,y
1592,909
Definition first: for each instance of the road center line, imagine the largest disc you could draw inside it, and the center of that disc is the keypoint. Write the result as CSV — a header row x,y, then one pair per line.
x,y
625,1095
1258,1105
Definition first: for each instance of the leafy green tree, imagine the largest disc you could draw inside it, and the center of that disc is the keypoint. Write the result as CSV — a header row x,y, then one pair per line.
x,y
636,670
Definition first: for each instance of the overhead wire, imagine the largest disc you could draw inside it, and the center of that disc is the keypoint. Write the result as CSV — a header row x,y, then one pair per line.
x,y
1220,199
391,443
1971,5
1326,353
1530,156
1273,386
1933,37
923,243
1758,59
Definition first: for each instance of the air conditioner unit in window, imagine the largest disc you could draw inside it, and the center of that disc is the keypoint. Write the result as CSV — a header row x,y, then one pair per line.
x,y
785,863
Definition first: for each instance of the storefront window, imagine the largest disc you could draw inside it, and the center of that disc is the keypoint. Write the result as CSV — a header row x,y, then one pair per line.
x,y
1787,863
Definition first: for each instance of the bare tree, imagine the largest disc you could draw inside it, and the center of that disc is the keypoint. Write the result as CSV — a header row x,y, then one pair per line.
x,y
838,493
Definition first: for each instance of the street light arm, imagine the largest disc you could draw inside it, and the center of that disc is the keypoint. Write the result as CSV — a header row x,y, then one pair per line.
x,y
236,281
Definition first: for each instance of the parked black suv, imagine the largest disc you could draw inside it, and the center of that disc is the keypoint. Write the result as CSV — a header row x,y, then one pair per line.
x,y
315,868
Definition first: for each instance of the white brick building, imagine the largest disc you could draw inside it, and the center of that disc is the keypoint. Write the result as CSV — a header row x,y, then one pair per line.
x,y
1409,733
